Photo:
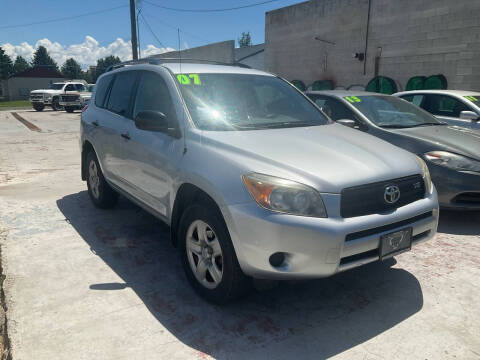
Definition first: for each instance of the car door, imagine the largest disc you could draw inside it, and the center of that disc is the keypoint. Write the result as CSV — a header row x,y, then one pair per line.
x,y
114,122
447,108
153,157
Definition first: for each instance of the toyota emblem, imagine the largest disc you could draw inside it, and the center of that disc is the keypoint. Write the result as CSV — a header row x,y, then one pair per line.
x,y
391,194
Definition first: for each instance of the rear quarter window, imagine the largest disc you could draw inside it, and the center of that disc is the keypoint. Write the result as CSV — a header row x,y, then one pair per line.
x,y
101,90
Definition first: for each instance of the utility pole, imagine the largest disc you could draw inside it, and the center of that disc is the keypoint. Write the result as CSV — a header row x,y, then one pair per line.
x,y
134,30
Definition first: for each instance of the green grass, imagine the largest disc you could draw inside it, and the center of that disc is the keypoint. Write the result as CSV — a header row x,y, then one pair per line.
x,y
14,104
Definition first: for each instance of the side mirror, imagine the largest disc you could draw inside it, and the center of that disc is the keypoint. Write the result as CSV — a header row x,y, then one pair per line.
x,y
348,122
150,120
469,115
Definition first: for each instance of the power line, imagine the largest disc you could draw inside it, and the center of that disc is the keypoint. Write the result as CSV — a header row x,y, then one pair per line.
x,y
176,28
63,18
210,10
151,31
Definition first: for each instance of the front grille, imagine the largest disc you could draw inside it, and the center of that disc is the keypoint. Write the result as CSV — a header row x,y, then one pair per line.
x,y
467,198
380,229
369,199
36,97
69,97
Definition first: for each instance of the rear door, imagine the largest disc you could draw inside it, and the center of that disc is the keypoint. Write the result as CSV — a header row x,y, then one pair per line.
x,y
152,158
113,122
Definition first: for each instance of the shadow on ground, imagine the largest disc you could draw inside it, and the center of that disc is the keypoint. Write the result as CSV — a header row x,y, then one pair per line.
x,y
322,317
459,222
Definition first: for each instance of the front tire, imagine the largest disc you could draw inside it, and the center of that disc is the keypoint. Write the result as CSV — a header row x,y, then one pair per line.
x,y
208,256
39,107
101,194
56,104
69,109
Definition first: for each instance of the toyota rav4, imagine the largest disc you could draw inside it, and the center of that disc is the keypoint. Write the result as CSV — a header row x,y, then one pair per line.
x,y
252,178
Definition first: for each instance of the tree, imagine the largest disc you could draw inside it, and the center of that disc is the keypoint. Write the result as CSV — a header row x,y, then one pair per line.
x,y
41,58
6,66
103,64
245,40
20,65
71,69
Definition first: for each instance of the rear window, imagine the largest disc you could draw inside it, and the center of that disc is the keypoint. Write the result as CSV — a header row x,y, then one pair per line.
x,y
102,88
121,93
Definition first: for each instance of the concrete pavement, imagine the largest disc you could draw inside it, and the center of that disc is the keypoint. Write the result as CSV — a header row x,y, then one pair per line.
x,y
84,283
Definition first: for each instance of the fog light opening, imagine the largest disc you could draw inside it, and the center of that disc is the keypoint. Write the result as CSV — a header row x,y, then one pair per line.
x,y
277,259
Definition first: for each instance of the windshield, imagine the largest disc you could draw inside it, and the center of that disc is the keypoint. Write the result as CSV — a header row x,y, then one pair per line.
x,y
56,86
245,102
392,112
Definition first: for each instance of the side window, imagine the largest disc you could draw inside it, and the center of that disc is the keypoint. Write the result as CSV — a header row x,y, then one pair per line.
x,y
102,89
79,87
334,108
414,99
70,87
153,94
121,93
444,105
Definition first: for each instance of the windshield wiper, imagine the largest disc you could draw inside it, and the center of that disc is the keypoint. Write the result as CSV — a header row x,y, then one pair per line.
x,y
429,124
393,126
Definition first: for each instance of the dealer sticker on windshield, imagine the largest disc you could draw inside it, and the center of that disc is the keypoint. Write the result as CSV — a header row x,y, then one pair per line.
x,y
471,98
352,99
188,79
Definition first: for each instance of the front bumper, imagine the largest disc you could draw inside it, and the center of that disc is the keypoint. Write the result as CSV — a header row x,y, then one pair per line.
x,y
76,104
456,190
320,247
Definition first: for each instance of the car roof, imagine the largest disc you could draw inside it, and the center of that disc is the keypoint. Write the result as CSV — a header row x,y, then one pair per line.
x,y
198,68
343,93
445,92
178,68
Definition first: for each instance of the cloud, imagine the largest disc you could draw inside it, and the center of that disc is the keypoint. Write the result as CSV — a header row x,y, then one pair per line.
x,y
86,53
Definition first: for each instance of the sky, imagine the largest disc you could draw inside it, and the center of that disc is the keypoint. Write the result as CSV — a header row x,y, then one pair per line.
x,y
106,33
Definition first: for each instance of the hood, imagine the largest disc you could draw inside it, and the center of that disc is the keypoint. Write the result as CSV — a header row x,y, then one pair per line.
x,y
328,157
448,138
46,91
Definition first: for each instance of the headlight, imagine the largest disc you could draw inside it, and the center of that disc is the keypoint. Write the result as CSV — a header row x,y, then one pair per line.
x,y
285,196
426,175
49,96
453,161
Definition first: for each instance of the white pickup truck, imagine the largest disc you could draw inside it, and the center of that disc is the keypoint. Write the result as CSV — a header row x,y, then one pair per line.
x,y
72,101
51,97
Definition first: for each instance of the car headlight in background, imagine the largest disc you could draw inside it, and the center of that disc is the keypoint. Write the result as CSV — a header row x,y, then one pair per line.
x,y
284,196
453,161
426,175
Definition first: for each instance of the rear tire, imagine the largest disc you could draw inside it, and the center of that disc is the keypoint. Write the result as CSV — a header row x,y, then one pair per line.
x,y
69,109
101,194
39,107
208,256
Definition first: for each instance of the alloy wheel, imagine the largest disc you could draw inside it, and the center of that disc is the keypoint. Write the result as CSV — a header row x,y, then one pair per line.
x,y
204,254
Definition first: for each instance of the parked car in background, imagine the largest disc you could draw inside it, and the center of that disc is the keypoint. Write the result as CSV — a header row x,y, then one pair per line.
x,y
51,97
72,101
252,178
451,153
456,107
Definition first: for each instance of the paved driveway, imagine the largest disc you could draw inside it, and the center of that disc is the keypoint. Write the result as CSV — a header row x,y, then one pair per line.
x,y
84,283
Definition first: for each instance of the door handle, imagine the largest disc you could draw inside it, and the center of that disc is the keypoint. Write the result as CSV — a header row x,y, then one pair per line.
x,y
95,122
125,136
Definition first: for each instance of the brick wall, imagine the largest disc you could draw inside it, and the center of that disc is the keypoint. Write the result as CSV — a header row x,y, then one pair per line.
x,y
416,37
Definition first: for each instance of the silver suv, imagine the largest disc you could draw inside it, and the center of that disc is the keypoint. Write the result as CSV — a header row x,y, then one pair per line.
x,y
253,179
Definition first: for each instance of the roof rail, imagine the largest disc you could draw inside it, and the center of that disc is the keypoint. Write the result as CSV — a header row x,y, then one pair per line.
x,y
158,61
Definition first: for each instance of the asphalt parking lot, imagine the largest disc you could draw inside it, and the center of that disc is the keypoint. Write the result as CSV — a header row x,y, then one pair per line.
x,y
84,283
